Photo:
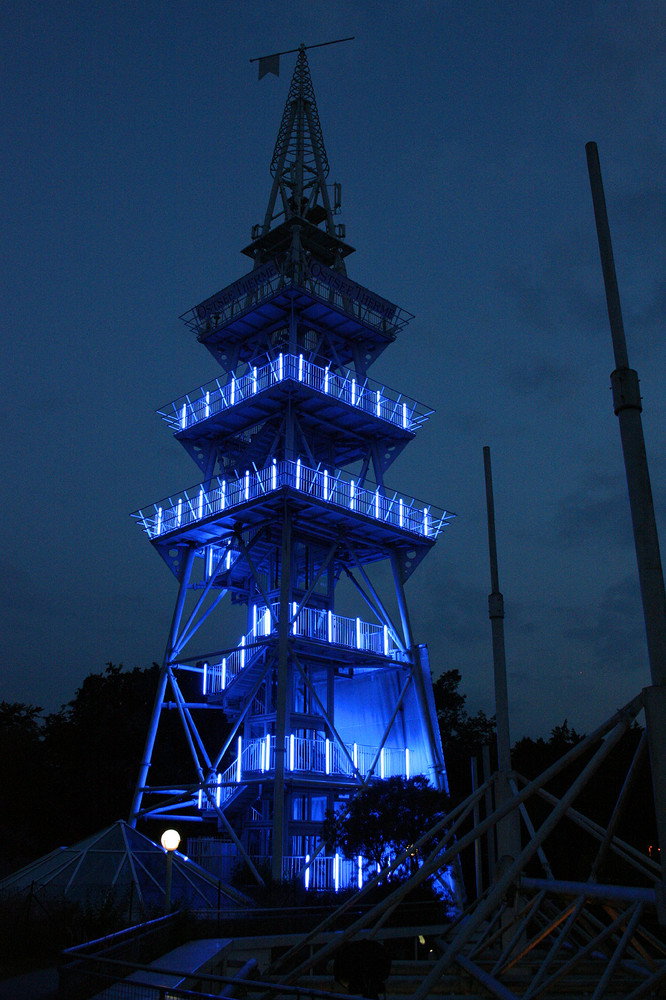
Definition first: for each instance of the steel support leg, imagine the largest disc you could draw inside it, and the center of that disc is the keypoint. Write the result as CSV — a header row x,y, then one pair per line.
x,y
161,689
283,699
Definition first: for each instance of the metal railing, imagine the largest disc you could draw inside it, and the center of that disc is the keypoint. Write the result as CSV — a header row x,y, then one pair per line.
x,y
218,676
337,488
303,755
329,287
324,872
370,397
316,623
311,623
320,872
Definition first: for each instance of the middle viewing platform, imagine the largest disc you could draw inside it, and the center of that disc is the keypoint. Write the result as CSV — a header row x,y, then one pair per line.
x,y
337,490
291,371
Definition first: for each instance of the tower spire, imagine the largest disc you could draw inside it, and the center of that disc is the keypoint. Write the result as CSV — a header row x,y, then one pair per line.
x,y
299,215
300,164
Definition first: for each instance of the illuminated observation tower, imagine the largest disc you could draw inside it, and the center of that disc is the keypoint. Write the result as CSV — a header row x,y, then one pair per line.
x,y
293,441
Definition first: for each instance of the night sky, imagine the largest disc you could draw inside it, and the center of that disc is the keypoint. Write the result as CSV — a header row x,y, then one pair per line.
x,y
136,148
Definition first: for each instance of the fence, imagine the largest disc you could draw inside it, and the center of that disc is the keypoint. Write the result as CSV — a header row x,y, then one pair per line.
x,y
336,488
367,396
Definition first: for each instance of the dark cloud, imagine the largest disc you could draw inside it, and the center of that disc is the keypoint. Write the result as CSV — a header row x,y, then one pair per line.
x,y
558,307
641,210
454,613
598,509
613,632
542,378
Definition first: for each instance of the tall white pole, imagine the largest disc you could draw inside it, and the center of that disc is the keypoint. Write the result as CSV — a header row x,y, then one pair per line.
x,y
508,829
627,406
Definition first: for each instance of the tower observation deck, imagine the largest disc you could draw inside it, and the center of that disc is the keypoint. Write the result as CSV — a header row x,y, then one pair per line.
x,y
292,440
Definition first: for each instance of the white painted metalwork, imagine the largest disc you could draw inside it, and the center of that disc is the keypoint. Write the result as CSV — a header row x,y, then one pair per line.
x,y
371,397
306,755
310,623
337,489
320,872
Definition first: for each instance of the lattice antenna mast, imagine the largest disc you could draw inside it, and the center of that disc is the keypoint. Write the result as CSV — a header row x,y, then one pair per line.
x,y
299,222
300,165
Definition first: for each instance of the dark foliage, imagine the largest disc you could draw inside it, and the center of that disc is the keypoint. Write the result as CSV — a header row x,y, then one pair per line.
x,y
386,818
92,750
570,850
21,752
73,772
531,757
463,735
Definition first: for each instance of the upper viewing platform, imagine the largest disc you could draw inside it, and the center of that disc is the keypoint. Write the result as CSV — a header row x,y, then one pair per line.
x,y
298,295
270,295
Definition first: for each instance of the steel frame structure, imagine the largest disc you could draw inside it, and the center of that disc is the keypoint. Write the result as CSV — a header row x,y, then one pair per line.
x,y
527,937
310,705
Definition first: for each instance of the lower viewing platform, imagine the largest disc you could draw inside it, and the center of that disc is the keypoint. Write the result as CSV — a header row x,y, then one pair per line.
x,y
256,758
314,872
308,623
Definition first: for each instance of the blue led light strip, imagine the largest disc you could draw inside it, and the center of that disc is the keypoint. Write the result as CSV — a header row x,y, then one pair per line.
x,y
367,395
335,489
303,754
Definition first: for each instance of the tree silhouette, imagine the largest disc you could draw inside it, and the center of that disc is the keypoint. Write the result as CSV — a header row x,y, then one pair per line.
x,y
384,819
93,747
22,776
463,735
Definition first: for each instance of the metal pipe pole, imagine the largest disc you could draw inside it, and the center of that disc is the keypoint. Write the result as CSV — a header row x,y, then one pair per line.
x,y
627,406
476,818
496,614
169,878
283,699
508,830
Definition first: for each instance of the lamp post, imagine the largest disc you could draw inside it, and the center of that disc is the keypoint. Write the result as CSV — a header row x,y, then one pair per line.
x,y
169,840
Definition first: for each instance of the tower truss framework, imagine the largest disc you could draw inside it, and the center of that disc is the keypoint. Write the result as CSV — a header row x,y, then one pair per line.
x,y
292,441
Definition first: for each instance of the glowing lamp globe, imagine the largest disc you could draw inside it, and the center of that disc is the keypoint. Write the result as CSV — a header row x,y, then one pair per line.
x,y
170,840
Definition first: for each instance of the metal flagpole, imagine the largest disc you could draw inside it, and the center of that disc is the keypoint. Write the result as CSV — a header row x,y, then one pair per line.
x,y
319,45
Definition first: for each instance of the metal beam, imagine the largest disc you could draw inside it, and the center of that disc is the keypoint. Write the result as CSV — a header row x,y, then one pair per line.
x,y
283,699
161,688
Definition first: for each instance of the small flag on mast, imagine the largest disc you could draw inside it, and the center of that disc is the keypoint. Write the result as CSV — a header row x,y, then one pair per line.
x,y
269,64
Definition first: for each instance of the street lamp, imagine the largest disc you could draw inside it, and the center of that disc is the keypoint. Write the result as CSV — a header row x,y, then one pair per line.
x,y
169,840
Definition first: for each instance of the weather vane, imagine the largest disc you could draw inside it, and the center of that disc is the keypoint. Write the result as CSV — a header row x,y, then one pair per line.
x,y
271,64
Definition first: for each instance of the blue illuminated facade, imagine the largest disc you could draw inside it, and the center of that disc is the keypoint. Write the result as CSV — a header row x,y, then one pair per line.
x,y
293,521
